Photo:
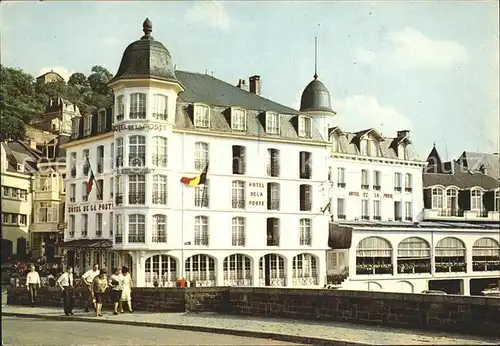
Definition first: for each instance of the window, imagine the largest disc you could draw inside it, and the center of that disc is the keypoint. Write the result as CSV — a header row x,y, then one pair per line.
x,y
273,231
305,232
365,213
238,233
408,211
44,183
137,106
119,190
376,180
476,202
47,212
73,165
238,120
341,177
119,152
451,202
159,189
112,156
335,143
72,193
364,179
111,187
238,194
201,156
86,158
364,147
397,211
99,189
71,226
305,192
201,195
397,182
101,121
98,225
100,158
408,182
305,165
160,151
272,123
340,208
376,210
497,200
305,127
160,107
75,128
201,116
402,152
273,162
137,189
136,228
201,230
87,125
273,196
85,197
85,225
159,229
119,229
238,159
137,151
120,108
111,219
437,198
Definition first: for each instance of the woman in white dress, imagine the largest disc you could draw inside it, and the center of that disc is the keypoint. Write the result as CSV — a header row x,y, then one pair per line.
x,y
127,288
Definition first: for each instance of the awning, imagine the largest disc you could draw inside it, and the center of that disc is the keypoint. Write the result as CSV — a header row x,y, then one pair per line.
x,y
339,237
99,244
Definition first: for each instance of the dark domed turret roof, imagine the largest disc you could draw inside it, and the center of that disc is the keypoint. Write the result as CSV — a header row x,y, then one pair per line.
x,y
146,58
316,98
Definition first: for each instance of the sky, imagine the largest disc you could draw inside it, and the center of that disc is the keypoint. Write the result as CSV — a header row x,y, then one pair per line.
x,y
430,67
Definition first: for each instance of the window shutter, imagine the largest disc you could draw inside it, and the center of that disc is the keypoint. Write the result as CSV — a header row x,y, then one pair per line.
x,y
489,200
428,198
464,199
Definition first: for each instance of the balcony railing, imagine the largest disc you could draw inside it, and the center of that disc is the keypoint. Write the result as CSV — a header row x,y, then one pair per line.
x,y
73,172
137,115
137,198
201,240
202,202
273,241
341,216
397,188
377,217
100,166
160,160
137,160
408,189
136,238
86,168
119,117
365,217
398,218
305,205
85,198
71,234
273,170
341,185
119,161
200,164
376,187
161,237
273,204
365,186
238,203
98,233
238,241
409,218
84,234
159,198
305,172
161,116
119,199
119,238
238,165
72,199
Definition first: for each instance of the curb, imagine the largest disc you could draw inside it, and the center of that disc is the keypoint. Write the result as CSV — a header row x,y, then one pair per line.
x,y
244,333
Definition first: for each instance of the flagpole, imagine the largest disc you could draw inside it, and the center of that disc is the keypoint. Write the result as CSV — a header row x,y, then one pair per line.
x,y
95,180
182,233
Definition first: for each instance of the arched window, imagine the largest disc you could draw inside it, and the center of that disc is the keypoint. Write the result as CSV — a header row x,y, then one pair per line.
x,y
201,230
160,107
159,228
237,270
201,269
304,270
305,232
450,255
374,256
160,271
414,256
200,156
137,106
119,152
238,234
120,108
160,151
272,270
437,198
137,151
476,200
136,228
452,202
486,255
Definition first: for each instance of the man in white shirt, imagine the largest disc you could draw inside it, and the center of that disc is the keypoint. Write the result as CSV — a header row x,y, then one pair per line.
x,y
65,282
88,278
32,284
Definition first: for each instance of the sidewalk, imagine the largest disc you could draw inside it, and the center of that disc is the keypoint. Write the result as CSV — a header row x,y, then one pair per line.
x,y
306,332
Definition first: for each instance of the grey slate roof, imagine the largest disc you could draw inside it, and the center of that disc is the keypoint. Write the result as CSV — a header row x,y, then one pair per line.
x,y
316,98
474,161
18,152
453,173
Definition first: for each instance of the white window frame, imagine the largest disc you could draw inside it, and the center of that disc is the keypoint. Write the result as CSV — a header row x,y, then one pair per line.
x,y
98,225
138,106
340,175
437,198
137,228
120,159
377,178
137,186
101,120
47,212
201,235
75,128
238,231
305,232
201,155
365,210
238,194
272,123
71,226
238,119
476,199
120,108
160,193
376,208
137,151
397,180
202,195
408,181
341,208
87,125
159,230
408,211
160,151
305,127
160,107
201,116
364,177
85,225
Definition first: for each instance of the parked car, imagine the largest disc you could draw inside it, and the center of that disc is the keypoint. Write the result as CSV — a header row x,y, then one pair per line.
x,y
434,292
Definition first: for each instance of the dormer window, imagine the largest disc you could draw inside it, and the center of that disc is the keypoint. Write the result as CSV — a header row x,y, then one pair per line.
x,y
305,127
476,199
238,120
402,152
160,107
369,147
87,125
201,116
120,108
137,106
20,167
101,121
75,126
272,123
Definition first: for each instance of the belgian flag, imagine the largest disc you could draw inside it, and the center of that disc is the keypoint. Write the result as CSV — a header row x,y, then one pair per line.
x,y
199,180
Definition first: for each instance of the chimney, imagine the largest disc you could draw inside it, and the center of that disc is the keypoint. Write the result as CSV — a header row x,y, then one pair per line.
x,y
32,143
242,84
404,133
255,84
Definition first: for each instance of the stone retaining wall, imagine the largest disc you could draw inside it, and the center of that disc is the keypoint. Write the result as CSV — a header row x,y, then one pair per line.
x,y
463,314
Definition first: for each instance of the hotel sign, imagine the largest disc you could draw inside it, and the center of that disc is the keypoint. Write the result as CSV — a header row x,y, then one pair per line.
x,y
90,207
140,127
257,195
134,170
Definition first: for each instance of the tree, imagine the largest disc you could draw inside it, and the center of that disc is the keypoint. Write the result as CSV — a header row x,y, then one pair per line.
x,y
99,79
11,127
78,79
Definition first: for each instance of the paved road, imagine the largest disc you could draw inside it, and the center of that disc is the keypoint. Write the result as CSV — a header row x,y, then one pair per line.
x,y
24,331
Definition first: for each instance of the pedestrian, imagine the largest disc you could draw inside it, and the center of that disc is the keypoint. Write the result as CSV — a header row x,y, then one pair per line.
x,y
33,283
87,280
127,288
99,286
116,284
65,282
